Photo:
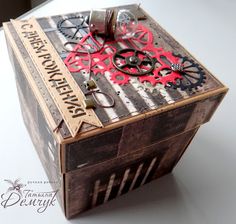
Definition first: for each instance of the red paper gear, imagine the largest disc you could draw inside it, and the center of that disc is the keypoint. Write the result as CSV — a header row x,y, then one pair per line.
x,y
101,61
142,38
164,59
120,78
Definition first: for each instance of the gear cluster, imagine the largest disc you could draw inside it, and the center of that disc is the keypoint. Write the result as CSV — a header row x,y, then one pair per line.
x,y
124,61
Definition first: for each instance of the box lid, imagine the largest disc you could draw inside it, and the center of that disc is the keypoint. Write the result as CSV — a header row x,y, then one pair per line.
x,y
172,76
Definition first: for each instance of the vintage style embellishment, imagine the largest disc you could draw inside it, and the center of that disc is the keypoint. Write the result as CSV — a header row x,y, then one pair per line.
x,y
58,80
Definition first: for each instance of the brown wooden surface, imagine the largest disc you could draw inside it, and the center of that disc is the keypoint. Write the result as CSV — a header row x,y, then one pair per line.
x,y
163,39
100,164
40,133
129,138
80,184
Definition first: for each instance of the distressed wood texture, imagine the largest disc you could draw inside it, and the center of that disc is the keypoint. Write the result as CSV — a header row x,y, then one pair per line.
x,y
132,103
130,137
42,137
144,135
94,185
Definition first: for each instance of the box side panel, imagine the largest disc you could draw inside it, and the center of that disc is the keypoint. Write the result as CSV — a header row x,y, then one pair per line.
x,y
127,139
41,135
34,79
172,157
95,185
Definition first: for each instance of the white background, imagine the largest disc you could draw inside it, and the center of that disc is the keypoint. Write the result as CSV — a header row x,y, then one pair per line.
x,y
202,188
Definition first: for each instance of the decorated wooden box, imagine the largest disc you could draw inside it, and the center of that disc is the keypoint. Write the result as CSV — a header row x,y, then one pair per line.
x,y
107,115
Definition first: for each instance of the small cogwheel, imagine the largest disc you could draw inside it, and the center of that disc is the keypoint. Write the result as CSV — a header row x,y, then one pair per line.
x,y
192,75
71,26
133,62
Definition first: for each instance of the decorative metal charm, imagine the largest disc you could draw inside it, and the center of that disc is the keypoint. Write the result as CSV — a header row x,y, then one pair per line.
x,y
133,62
176,67
71,26
89,103
98,21
90,84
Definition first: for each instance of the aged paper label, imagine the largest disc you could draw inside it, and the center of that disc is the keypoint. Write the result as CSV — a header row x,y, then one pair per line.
x,y
65,92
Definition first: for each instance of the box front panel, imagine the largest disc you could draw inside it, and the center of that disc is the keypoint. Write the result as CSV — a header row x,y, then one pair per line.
x,y
91,186
130,138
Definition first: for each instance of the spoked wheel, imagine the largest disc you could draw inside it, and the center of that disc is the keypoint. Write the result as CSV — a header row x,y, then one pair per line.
x,y
133,62
192,74
71,26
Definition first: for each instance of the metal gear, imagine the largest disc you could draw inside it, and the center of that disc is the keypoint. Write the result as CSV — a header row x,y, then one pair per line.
x,y
176,71
133,62
192,75
151,65
74,24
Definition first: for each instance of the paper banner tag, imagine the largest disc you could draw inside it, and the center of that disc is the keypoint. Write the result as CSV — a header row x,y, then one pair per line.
x,y
62,87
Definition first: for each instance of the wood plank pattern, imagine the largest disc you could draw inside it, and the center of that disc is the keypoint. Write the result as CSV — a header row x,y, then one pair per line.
x,y
143,140
123,174
140,99
129,138
40,133
93,150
